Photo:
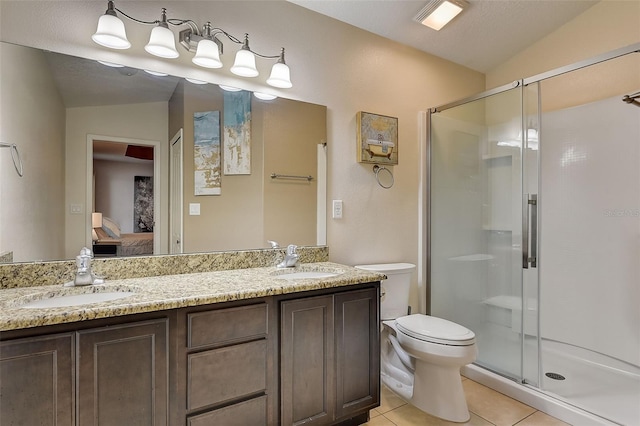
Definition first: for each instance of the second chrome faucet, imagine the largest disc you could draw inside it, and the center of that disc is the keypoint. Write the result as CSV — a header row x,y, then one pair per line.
x,y
290,259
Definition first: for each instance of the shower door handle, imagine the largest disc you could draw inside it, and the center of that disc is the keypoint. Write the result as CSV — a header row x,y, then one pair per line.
x,y
529,230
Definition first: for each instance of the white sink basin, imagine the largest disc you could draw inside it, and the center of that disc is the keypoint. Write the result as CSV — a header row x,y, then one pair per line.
x,y
75,296
306,275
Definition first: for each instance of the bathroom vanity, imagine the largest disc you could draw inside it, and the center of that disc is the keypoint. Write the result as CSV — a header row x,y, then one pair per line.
x,y
227,347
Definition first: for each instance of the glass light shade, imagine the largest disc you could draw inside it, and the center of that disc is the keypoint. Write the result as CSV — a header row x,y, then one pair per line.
x,y
111,33
245,64
207,55
264,96
280,76
162,43
442,15
156,73
111,64
195,81
229,88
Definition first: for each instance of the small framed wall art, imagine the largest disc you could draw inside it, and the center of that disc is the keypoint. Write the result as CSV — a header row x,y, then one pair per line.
x,y
377,138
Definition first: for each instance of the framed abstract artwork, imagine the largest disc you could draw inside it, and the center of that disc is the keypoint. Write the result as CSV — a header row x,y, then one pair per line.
x,y
206,153
237,133
377,138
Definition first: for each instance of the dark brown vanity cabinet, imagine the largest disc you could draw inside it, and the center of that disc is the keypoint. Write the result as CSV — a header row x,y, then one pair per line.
x,y
303,358
123,374
119,374
229,367
329,357
36,381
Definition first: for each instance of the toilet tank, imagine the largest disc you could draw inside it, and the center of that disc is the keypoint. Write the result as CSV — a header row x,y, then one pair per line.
x,y
394,291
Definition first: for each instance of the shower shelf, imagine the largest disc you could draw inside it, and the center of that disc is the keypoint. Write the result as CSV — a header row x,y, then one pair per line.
x,y
495,156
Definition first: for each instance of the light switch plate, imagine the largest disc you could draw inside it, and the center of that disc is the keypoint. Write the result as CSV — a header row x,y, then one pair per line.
x,y
337,209
194,209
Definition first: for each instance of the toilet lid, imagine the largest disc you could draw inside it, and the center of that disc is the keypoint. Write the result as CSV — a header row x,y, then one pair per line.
x,y
436,330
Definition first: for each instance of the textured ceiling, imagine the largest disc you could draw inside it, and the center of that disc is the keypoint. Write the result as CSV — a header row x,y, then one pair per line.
x,y
482,37
84,82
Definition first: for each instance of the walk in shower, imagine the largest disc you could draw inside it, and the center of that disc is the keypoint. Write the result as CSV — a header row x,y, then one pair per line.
x,y
534,223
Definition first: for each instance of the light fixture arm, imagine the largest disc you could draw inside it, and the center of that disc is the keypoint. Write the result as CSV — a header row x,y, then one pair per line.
x,y
111,33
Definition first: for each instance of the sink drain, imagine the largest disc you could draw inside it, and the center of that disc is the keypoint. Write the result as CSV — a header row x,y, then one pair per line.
x,y
554,376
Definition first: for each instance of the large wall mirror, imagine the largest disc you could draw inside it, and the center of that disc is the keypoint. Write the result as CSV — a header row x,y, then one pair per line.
x,y
116,145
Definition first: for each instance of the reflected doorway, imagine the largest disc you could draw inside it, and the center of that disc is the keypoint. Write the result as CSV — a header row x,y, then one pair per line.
x,y
122,186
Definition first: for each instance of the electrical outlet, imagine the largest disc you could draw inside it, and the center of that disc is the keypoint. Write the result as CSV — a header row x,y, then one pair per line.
x,y
75,208
337,209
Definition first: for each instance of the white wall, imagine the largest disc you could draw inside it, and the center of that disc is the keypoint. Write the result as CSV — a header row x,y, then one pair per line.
x,y
35,123
332,64
114,188
590,219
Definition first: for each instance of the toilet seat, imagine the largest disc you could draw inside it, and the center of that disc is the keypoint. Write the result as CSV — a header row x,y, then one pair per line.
x,y
435,330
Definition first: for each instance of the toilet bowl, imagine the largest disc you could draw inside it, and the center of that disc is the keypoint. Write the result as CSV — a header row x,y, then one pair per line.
x,y
421,355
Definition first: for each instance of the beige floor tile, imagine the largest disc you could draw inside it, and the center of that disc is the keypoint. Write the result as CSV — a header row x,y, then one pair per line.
x,y
541,419
379,421
408,415
389,400
373,413
493,406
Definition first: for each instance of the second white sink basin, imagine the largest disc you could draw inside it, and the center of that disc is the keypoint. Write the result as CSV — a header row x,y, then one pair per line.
x,y
77,299
306,275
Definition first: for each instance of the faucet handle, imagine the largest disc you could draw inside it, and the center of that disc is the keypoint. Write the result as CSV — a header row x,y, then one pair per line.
x,y
274,244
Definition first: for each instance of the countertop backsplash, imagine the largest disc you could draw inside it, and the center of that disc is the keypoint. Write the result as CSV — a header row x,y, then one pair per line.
x,y
14,275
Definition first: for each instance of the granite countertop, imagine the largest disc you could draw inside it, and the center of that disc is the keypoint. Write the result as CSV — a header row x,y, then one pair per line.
x,y
170,292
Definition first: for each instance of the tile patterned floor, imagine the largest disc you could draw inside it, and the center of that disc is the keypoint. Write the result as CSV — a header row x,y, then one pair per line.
x,y
487,408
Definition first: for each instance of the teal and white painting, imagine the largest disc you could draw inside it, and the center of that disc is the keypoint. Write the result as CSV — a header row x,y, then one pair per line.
x,y
206,153
237,133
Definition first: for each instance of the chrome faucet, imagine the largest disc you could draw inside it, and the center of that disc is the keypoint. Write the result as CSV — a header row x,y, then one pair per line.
x,y
84,274
290,259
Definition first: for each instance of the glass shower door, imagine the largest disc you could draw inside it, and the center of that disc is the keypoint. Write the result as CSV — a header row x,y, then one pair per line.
x,y
477,225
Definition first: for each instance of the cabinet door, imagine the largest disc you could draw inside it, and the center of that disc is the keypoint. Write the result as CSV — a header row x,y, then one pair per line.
x,y
122,375
357,351
307,377
36,381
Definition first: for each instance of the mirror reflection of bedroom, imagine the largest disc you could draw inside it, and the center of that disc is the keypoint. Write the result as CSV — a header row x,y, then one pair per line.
x,y
123,199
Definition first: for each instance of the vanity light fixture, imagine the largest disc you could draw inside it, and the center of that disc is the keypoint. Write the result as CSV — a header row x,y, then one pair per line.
x,y
264,96
156,73
111,64
229,88
195,81
438,13
205,43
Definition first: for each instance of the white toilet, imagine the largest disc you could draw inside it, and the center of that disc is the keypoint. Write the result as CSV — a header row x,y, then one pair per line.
x,y
421,355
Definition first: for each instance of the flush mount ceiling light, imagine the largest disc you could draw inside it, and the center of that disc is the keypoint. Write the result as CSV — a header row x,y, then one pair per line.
x,y
438,13
204,43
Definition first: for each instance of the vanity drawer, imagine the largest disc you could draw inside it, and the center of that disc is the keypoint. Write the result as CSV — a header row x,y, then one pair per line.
x,y
252,412
222,326
224,374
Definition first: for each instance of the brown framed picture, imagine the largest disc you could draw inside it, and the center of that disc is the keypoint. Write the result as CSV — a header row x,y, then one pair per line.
x,y
377,138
